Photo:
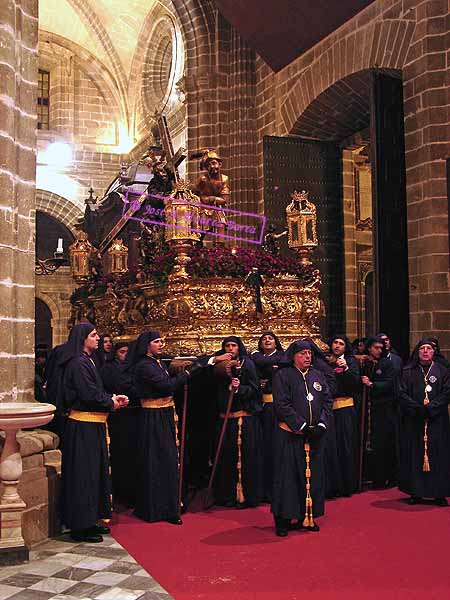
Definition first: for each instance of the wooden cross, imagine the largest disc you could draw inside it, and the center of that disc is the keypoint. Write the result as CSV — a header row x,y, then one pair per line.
x,y
173,161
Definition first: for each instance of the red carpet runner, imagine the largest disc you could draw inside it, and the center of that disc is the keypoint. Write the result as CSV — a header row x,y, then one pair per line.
x,y
371,546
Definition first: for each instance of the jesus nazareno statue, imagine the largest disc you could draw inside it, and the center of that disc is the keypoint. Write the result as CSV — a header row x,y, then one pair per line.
x,y
213,188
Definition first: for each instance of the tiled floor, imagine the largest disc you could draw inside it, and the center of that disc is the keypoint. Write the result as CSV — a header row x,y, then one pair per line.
x,y
61,569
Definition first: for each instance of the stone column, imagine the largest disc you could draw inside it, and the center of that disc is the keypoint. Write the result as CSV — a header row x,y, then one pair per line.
x,y
426,79
18,90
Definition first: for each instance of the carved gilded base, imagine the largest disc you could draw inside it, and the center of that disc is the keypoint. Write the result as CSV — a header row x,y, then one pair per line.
x,y
195,314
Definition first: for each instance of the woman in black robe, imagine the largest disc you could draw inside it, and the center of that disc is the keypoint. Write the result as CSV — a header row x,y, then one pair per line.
x,y
267,359
157,485
303,405
348,383
424,396
123,426
239,482
85,479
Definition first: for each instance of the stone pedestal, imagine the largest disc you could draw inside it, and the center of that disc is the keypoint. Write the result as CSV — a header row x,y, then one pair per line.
x,y
14,416
11,504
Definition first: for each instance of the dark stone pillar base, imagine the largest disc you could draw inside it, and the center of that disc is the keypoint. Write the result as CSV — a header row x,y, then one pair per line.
x,y
13,556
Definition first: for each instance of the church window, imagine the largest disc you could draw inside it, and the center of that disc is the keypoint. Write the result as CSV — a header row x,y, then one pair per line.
x,y
43,100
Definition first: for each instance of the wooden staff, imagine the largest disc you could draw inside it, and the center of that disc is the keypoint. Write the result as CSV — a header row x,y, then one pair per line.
x,y
218,451
182,446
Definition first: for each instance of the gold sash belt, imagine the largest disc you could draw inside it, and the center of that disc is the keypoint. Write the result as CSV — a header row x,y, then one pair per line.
x,y
343,402
267,398
237,414
157,402
88,417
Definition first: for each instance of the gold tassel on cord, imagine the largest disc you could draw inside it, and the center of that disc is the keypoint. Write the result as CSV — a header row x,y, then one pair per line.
x,y
308,521
239,490
426,462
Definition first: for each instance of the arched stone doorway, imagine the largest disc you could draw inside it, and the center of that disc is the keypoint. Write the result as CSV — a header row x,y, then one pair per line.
x,y
347,149
53,290
43,333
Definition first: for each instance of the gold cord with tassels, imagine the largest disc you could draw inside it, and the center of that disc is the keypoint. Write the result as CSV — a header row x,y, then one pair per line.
x,y
308,521
426,463
239,489
177,441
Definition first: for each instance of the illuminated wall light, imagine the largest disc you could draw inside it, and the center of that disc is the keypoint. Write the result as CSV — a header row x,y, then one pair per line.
x,y
126,141
58,155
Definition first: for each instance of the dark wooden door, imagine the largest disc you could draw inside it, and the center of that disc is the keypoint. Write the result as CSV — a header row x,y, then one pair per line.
x,y
389,210
299,164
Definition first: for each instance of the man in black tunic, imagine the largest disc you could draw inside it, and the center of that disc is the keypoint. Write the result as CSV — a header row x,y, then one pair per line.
x,y
424,397
392,355
239,477
158,461
303,406
85,465
267,359
382,417
348,383
123,426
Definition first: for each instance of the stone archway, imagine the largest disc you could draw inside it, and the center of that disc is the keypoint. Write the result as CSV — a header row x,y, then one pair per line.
x,y
380,45
58,207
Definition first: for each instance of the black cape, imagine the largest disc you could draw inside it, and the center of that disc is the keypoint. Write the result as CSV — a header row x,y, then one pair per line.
x,y
292,407
86,489
413,481
266,367
348,384
382,456
246,399
123,432
157,485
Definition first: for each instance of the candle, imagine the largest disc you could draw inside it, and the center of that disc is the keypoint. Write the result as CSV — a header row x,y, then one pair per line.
x,y
59,249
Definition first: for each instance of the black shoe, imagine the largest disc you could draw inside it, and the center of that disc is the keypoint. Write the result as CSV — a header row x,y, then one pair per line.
x,y
281,531
441,501
229,504
86,535
175,521
414,500
246,504
101,529
314,527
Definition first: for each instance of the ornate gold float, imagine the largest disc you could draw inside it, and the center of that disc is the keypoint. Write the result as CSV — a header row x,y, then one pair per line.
x,y
195,312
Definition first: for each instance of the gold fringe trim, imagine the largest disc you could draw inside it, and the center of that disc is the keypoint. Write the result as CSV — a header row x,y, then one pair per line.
x,y
308,521
239,489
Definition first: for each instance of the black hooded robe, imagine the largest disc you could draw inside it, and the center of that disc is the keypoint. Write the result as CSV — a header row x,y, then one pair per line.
x,y
266,367
291,407
348,383
381,461
248,399
413,480
86,488
123,432
157,485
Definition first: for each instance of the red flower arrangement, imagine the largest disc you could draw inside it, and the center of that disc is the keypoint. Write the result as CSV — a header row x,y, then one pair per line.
x,y
222,261
218,261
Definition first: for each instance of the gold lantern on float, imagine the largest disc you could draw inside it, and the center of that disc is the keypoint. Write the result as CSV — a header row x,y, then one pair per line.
x,y
80,253
182,223
116,258
302,226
